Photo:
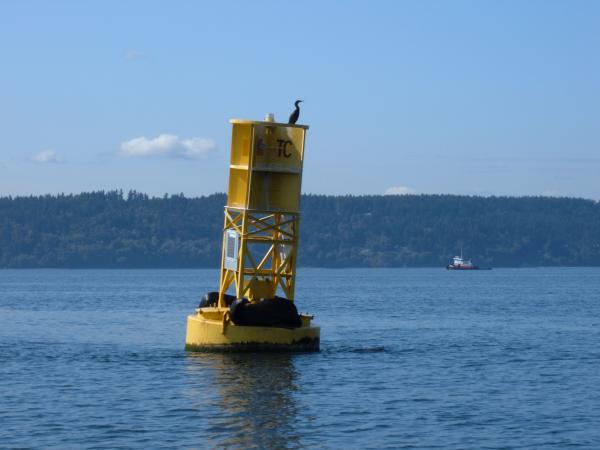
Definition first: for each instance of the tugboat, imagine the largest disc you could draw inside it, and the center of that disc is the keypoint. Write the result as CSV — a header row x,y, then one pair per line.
x,y
460,263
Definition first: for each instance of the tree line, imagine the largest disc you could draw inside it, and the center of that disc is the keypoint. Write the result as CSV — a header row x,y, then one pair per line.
x,y
132,230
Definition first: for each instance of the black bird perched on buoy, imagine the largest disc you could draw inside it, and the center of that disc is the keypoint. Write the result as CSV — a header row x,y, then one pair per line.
x,y
294,116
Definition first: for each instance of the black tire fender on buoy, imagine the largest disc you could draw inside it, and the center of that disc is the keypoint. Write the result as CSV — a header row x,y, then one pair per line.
x,y
275,312
212,299
237,311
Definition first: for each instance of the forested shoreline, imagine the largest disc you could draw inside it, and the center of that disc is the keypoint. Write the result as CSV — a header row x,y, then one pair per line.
x,y
132,230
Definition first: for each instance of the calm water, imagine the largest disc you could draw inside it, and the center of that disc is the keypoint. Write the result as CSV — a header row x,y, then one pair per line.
x,y
411,358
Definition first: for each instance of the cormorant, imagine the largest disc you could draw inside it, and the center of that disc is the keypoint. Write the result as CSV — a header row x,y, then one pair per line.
x,y
294,116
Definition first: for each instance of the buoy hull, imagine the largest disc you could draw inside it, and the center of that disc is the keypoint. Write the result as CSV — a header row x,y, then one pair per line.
x,y
208,331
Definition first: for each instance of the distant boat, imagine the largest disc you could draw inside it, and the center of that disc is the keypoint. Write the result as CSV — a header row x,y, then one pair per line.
x,y
460,263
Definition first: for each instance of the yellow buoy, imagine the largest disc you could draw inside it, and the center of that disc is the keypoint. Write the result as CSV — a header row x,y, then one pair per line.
x,y
260,242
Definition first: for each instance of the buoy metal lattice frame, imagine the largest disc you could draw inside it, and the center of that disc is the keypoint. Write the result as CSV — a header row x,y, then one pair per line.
x,y
267,252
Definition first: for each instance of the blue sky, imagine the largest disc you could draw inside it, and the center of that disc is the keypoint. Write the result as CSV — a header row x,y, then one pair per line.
x,y
478,98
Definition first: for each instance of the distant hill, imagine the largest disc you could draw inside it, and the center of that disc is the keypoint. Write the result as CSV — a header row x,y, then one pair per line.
x,y
112,230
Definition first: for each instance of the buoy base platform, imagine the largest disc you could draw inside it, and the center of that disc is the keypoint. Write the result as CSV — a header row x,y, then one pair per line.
x,y
210,329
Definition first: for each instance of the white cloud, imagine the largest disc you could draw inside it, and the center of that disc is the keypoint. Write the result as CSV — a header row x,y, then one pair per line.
x,y
133,55
399,190
45,156
168,145
551,193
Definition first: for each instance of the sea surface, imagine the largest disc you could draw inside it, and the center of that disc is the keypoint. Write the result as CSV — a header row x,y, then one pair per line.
x,y
410,358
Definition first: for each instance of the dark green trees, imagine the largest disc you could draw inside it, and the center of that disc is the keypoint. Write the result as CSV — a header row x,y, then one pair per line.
x,y
112,230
